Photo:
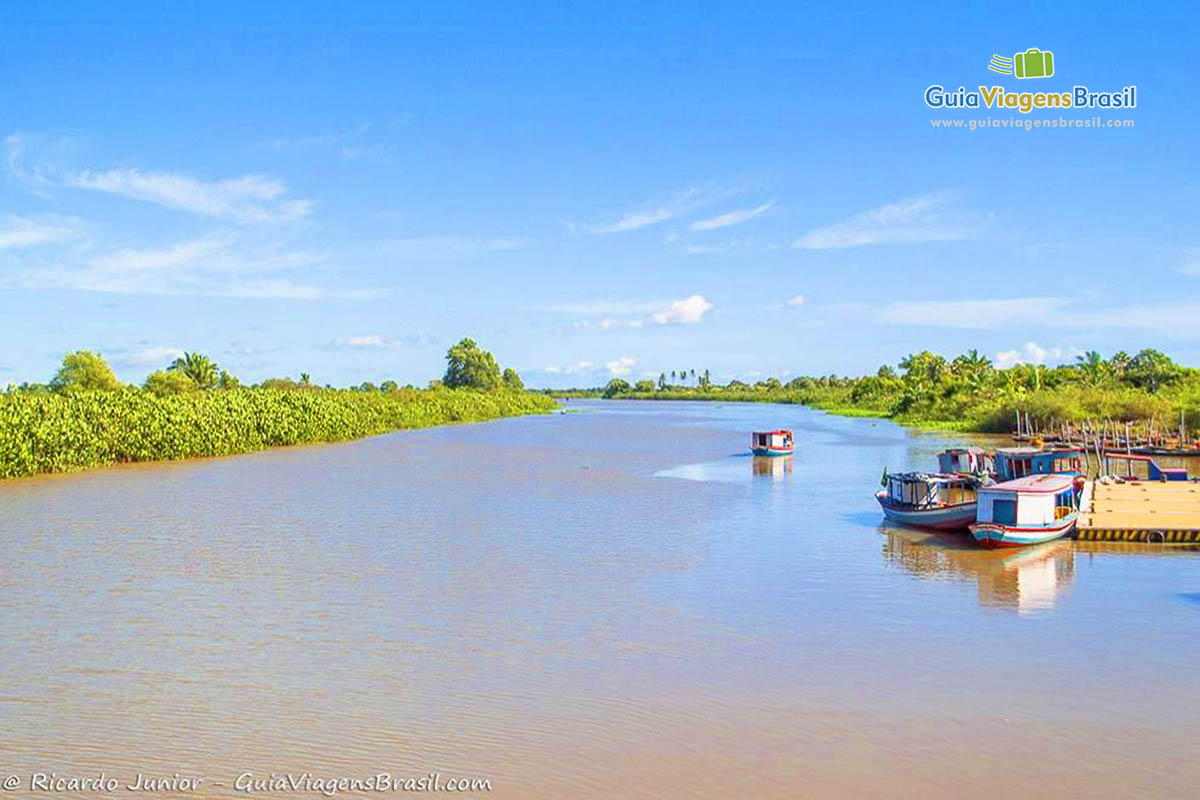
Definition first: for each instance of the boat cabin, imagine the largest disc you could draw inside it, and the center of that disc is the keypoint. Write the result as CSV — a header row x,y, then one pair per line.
x,y
772,442
926,490
1032,501
1018,462
970,460
1144,468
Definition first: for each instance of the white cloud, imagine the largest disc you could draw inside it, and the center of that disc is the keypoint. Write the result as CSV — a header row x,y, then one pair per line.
x,y
148,357
372,340
621,366
1029,353
732,218
927,218
972,314
248,199
681,203
19,231
688,311
795,302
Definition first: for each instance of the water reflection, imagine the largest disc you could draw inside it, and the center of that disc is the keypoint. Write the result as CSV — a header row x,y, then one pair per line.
x,y
1026,580
778,468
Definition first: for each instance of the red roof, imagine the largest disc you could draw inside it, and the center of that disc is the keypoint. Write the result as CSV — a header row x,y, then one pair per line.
x,y
1034,483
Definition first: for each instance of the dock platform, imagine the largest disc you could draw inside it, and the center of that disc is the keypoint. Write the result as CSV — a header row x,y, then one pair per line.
x,y
1140,511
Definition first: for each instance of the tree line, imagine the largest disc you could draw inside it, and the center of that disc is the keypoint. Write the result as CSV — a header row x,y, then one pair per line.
x,y
468,366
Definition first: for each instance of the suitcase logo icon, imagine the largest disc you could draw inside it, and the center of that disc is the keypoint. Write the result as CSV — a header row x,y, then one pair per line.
x,y
1033,63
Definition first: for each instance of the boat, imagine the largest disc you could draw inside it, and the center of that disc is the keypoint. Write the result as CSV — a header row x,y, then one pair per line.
x,y
772,443
929,500
1017,462
966,461
1028,510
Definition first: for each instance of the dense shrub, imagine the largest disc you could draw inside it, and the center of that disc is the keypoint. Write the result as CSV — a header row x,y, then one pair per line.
x,y
56,432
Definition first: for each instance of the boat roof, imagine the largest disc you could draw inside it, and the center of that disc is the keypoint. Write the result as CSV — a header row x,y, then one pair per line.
x,y
1034,484
780,430
1038,451
971,449
927,477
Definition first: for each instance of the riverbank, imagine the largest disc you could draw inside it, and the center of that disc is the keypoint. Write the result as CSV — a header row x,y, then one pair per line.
x,y
44,432
968,394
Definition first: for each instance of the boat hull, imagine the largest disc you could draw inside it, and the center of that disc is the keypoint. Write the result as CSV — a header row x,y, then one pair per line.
x,y
942,518
993,535
772,451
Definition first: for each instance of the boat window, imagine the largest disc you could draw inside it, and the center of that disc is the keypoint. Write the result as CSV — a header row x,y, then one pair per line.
x,y
1004,512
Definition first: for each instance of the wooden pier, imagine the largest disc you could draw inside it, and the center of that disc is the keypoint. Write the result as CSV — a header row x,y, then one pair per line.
x,y
1140,511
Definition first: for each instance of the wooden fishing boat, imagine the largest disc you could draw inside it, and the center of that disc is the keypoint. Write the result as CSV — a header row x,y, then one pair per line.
x,y
772,443
1025,511
1017,462
929,500
966,461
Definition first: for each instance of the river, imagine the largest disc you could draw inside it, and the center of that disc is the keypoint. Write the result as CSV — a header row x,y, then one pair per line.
x,y
618,602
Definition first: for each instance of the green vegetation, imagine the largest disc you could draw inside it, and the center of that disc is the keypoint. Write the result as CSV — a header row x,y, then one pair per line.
x,y
964,393
469,367
86,418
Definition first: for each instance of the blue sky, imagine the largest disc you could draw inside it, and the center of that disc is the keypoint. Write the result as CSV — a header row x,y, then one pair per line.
x,y
620,189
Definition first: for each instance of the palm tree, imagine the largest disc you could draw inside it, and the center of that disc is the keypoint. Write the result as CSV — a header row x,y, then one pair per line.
x,y
672,376
1093,367
203,371
305,379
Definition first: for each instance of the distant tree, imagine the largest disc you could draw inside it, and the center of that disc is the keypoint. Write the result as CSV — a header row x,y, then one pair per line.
x,y
305,379
164,382
644,385
436,384
1151,370
772,384
1118,365
683,376
388,386
279,384
615,387
84,370
228,381
672,377
885,371
662,381
200,368
736,384
512,380
367,386
469,367
706,381
693,374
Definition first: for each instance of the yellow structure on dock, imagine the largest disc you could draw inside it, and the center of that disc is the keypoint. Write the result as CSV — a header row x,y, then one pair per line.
x,y
1140,511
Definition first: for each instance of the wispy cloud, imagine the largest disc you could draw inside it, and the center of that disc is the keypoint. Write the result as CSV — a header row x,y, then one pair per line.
x,y
732,218
1191,262
972,314
451,245
248,199
146,357
617,315
16,231
215,266
927,218
646,216
1033,353
795,302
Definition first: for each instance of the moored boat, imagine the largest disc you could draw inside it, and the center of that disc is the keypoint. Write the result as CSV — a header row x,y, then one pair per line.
x,y
929,500
1025,511
1017,462
772,443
